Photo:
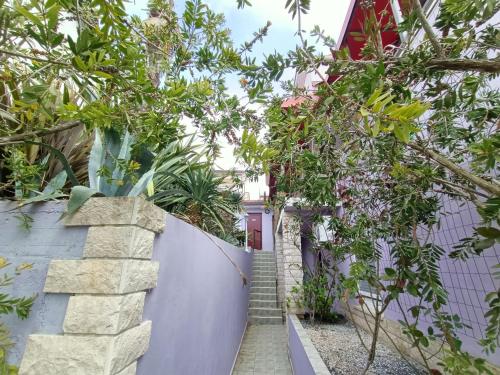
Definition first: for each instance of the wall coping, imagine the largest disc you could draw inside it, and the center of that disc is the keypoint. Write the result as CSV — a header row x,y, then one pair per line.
x,y
312,354
99,211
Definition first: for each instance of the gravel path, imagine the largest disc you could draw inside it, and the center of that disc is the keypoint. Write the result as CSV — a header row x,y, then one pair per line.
x,y
343,354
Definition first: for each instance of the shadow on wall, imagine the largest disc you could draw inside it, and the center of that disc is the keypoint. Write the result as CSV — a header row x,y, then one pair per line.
x,y
47,239
199,307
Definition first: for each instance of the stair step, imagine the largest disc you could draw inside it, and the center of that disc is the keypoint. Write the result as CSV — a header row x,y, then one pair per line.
x,y
265,319
264,272
265,258
263,303
264,311
262,296
263,289
265,269
260,283
263,277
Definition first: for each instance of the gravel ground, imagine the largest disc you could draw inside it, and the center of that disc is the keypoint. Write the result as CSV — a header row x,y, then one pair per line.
x,y
340,348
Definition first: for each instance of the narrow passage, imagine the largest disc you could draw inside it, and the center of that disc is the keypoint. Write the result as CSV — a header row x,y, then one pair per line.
x,y
264,351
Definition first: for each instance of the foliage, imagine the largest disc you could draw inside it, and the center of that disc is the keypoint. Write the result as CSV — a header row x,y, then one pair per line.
x,y
72,67
21,306
112,170
392,138
195,195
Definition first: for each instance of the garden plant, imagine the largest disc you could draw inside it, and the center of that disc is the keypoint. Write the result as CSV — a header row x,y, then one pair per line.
x,y
95,102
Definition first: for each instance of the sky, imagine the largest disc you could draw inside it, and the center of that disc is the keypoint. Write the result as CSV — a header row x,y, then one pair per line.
x,y
328,14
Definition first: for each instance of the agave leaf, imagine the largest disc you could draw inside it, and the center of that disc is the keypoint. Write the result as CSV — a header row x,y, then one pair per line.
x,y
96,160
142,184
79,195
57,183
119,172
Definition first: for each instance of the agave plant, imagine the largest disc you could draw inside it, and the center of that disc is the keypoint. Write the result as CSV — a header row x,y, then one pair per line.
x,y
112,170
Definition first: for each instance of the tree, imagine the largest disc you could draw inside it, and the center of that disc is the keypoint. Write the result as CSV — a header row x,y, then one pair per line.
x,y
400,130
70,67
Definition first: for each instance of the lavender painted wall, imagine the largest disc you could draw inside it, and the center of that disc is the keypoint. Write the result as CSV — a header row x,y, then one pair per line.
x,y
46,240
298,357
467,282
199,308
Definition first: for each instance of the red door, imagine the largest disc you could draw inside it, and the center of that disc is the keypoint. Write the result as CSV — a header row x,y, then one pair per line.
x,y
254,228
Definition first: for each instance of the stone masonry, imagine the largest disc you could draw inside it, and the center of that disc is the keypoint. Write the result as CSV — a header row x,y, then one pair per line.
x,y
103,331
293,274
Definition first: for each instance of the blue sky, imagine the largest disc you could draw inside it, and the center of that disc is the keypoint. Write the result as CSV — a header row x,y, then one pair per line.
x,y
328,14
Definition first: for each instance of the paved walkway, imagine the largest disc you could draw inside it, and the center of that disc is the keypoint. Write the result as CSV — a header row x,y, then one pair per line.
x,y
264,351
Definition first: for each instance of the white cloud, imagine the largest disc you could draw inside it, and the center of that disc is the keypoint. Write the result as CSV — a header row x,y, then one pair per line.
x,y
328,14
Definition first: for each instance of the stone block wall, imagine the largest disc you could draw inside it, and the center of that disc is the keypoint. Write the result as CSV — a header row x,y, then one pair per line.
x,y
103,331
278,248
293,273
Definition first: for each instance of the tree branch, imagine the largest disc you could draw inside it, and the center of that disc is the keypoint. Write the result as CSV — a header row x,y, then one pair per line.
x,y
490,187
34,58
19,138
486,66
417,7
463,65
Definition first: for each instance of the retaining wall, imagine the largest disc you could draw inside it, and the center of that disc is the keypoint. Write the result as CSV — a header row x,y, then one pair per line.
x,y
47,239
303,355
95,313
199,308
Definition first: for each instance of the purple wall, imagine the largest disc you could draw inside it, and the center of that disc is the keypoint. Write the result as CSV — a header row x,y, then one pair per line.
x,y
47,239
199,308
467,282
298,357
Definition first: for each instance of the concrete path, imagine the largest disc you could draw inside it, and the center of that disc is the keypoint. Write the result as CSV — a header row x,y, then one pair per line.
x,y
264,351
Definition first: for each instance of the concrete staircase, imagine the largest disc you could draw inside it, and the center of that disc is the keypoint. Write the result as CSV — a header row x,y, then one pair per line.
x,y
263,307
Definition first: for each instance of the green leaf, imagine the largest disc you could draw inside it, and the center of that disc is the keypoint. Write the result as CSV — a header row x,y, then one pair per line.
x,y
57,183
96,160
142,184
27,14
488,232
59,155
402,132
390,272
79,195
79,63
53,16
484,244
103,74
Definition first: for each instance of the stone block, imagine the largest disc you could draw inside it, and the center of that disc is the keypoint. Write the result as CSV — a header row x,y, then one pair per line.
x,y
75,355
85,355
119,242
130,345
101,276
130,370
119,211
87,314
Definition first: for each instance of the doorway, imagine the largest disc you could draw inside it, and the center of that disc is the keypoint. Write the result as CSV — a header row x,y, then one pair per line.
x,y
254,228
